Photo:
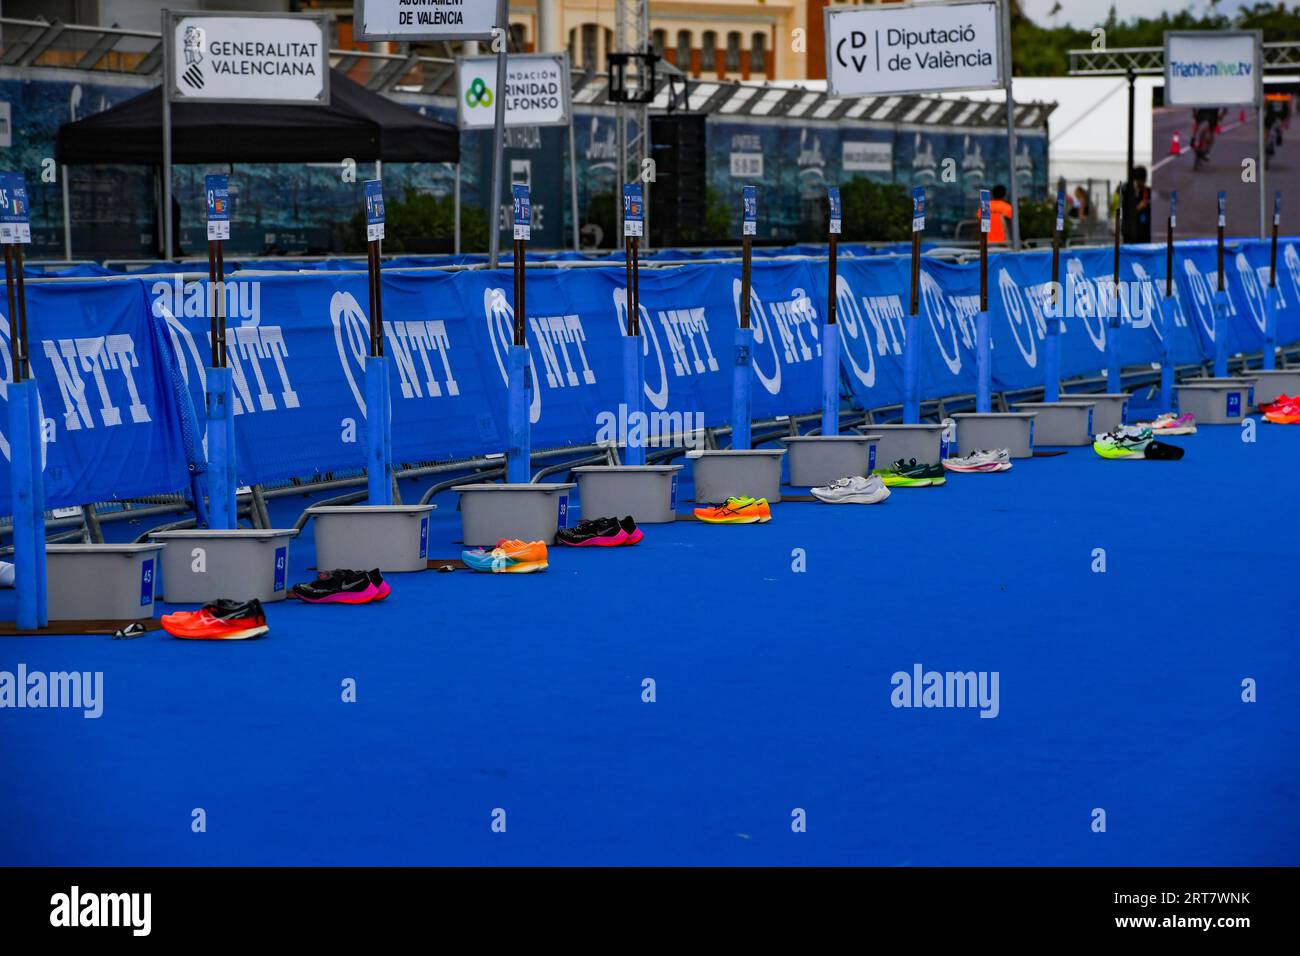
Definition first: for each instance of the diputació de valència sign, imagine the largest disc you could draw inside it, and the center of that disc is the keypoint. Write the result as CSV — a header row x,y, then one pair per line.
x,y
925,48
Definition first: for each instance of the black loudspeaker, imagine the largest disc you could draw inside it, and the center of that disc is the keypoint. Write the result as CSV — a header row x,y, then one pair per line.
x,y
678,196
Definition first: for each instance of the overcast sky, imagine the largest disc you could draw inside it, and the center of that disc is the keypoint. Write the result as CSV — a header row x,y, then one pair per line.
x,y
1089,13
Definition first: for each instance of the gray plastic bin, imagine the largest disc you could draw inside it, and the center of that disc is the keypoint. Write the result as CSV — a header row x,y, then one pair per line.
x,y
817,460
1061,423
1109,409
203,564
1220,404
925,443
527,512
724,474
646,492
361,537
986,431
1246,381
101,582
1269,385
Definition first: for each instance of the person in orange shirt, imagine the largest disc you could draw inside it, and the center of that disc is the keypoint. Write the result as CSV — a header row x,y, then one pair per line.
x,y
999,212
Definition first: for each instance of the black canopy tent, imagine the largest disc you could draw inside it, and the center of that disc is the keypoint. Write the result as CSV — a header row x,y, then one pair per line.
x,y
357,124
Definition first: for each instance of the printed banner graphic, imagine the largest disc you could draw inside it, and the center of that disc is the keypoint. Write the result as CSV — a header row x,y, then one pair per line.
x,y
120,366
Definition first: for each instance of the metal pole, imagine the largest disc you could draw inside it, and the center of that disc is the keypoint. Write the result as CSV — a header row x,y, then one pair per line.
x,y
498,136
1132,97
167,137
573,179
1263,192
1011,124
455,248
67,217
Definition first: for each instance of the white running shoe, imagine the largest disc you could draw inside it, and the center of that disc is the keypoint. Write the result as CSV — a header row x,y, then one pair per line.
x,y
1171,424
853,491
999,459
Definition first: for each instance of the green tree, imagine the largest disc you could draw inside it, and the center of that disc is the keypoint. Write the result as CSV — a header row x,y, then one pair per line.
x,y
421,223
875,212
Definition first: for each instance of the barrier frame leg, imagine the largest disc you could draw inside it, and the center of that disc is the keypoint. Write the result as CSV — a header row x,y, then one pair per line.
x,y
1272,303
222,506
742,390
28,506
830,379
1220,334
983,364
634,396
379,465
519,387
911,374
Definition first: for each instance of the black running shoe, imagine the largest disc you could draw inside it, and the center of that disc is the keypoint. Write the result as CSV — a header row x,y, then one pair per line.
x,y
594,533
1160,451
630,529
337,587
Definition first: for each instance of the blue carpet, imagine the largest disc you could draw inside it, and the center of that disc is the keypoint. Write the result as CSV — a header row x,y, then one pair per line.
x,y
1118,690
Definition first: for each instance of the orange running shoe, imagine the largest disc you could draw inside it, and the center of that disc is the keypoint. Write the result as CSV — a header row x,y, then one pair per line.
x,y
524,551
508,557
222,620
737,511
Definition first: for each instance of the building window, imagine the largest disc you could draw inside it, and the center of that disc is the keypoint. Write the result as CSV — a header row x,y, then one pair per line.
x,y
516,37
589,35
659,40
684,50
709,52
733,52
757,53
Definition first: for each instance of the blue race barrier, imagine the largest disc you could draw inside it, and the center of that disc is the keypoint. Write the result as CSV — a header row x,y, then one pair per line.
x,y
121,365
109,410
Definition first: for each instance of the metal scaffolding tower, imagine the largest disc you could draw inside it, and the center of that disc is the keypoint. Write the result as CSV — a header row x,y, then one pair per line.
x,y
632,36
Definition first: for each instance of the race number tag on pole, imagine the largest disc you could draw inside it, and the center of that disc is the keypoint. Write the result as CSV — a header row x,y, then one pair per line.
x,y
833,194
1223,210
1060,208
217,189
1173,208
15,215
523,211
918,209
374,209
749,206
633,211
985,213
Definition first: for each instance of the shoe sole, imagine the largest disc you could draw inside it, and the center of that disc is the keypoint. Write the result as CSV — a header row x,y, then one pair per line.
x,y
748,519
979,469
228,636
371,593
634,537
523,567
852,499
605,541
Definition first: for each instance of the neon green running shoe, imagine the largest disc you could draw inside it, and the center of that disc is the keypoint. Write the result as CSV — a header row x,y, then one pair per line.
x,y
908,474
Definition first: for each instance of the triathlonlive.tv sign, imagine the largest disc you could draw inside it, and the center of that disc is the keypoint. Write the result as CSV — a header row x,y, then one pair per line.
x,y
913,49
244,58
1220,68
